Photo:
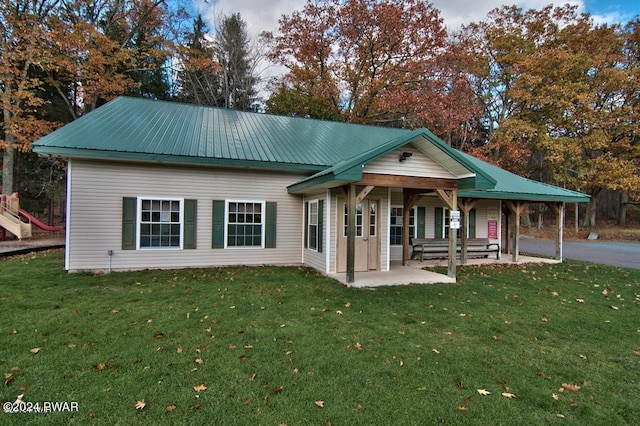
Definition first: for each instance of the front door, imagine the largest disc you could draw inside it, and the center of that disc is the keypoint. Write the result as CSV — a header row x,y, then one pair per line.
x,y
367,246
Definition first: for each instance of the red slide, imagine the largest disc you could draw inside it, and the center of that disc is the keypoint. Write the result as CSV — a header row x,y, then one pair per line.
x,y
36,222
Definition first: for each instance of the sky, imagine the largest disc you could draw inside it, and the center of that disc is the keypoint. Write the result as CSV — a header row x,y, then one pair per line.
x,y
263,15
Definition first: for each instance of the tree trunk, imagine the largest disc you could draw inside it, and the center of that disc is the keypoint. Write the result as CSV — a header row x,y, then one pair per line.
x,y
590,216
9,157
622,215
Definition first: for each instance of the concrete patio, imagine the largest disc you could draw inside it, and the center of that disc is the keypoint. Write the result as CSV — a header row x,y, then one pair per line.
x,y
415,274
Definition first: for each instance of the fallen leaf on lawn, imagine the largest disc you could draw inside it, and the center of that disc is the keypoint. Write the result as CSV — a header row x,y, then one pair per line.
x,y
244,357
253,377
140,404
99,367
580,300
574,404
34,350
358,346
8,379
570,387
615,308
19,399
248,347
560,416
199,388
401,363
636,353
555,396
339,312
582,356
435,351
196,407
508,395
179,349
198,361
484,392
277,390
319,403
462,408
170,408
554,293
71,345
232,346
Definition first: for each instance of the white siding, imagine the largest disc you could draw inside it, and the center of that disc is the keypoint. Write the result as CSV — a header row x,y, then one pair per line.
x,y
95,214
314,258
418,165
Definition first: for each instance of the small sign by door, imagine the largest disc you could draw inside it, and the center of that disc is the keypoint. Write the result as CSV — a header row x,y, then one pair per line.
x,y
454,222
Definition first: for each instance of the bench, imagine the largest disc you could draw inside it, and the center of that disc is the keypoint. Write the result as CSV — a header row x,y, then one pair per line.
x,y
439,247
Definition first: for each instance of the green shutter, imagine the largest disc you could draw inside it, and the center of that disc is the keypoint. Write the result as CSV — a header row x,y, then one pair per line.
x,y
306,225
421,221
472,223
270,225
218,224
320,223
129,210
190,214
438,232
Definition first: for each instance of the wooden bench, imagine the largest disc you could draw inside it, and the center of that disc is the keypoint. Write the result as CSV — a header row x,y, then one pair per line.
x,y
439,247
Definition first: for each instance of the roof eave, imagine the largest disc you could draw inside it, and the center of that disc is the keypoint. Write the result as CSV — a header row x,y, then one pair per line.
x,y
171,159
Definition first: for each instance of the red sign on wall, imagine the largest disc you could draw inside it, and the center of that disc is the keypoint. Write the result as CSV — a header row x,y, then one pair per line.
x,y
492,226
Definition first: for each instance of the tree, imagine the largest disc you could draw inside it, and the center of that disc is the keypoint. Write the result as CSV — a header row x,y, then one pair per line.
x,y
198,77
552,86
21,35
381,62
237,61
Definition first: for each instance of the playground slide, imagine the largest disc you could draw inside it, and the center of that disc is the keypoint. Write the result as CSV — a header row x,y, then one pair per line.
x,y
36,222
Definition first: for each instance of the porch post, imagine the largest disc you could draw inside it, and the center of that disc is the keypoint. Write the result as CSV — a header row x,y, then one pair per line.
x,y
517,209
452,240
410,199
558,209
466,206
451,200
351,232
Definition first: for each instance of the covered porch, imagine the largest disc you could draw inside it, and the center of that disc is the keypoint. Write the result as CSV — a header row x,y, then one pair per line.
x,y
415,273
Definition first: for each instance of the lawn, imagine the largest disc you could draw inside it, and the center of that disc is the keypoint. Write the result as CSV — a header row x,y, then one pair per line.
x,y
536,344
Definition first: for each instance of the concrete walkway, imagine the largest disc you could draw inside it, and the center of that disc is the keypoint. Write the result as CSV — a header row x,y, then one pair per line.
x,y
415,274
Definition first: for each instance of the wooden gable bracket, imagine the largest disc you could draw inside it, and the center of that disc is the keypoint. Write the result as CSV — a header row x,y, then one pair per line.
x,y
411,197
465,205
558,210
516,208
363,194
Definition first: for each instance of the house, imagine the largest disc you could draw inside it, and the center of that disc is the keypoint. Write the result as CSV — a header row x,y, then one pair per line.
x,y
154,184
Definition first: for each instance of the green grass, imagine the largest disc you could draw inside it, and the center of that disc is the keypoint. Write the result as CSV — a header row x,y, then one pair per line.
x,y
270,342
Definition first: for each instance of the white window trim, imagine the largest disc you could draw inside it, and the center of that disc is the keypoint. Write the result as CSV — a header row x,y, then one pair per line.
x,y
309,225
139,222
414,209
263,203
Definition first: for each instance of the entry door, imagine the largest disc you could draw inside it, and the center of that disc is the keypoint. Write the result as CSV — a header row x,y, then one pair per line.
x,y
367,241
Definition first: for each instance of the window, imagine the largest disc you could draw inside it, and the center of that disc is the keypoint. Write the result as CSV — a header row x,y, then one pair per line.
x,y
160,224
245,224
442,223
373,218
396,227
312,231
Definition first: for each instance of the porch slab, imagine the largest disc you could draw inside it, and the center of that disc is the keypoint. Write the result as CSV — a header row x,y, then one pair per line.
x,y
415,274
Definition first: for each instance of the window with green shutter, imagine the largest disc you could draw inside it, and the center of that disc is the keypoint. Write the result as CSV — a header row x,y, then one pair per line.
x,y
244,224
158,223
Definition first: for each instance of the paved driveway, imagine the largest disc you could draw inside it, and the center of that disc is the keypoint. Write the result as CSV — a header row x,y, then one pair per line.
x,y
605,252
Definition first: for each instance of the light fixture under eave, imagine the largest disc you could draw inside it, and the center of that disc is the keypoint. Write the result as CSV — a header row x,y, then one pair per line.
x,y
405,155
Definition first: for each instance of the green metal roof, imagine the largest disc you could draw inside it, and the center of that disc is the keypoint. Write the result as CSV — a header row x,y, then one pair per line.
x,y
510,186
136,129
146,130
